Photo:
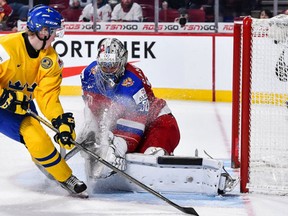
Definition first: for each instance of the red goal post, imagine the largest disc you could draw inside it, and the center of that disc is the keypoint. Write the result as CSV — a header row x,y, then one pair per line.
x,y
259,110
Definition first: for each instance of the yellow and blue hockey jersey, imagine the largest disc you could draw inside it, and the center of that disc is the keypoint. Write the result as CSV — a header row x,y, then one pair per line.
x,y
38,77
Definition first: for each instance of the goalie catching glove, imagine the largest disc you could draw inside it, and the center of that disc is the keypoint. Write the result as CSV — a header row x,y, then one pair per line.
x,y
117,151
65,124
13,101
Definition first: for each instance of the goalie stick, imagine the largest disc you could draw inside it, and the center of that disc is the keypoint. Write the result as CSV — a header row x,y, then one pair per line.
x,y
86,142
187,210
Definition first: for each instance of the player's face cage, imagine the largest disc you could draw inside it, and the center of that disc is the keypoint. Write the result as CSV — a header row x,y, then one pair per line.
x,y
57,32
109,63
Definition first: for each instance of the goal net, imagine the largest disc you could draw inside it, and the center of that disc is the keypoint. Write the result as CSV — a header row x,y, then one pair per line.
x,y
260,104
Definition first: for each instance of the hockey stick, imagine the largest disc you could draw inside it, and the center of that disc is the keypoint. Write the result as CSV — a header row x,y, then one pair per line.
x,y
75,150
187,210
71,153
62,150
29,111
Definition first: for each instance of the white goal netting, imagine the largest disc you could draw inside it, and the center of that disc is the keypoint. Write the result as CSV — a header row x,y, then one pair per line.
x,y
268,155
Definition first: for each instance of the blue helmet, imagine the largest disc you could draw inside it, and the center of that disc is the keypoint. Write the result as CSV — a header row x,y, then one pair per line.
x,y
44,16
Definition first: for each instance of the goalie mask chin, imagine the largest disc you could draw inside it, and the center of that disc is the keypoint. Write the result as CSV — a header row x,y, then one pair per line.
x,y
105,82
111,60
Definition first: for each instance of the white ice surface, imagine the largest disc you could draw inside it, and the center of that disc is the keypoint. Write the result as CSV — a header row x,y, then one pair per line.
x,y
204,126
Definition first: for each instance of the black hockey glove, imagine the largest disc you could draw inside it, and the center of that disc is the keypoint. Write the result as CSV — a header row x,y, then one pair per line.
x,y
65,124
13,101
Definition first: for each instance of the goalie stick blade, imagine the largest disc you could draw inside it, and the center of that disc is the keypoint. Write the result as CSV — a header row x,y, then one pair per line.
x,y
189,210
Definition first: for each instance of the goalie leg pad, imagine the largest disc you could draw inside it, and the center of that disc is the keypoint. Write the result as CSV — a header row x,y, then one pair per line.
x,y
168,174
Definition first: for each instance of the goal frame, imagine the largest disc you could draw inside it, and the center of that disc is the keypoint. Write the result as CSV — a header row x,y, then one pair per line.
x,y
259,140
241,97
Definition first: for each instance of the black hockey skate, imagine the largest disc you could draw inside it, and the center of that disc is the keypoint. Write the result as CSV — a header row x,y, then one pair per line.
x,y
74,186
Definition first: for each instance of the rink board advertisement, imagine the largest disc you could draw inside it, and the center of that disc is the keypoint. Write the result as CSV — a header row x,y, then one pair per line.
x,y
170,62
179,66
144,27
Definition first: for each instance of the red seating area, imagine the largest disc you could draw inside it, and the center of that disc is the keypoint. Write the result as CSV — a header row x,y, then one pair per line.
x,y
59,5
149,2
71,15
168,15
148,12
196,15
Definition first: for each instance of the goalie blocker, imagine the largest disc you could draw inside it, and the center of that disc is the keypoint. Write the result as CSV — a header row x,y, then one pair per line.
x,y
165,174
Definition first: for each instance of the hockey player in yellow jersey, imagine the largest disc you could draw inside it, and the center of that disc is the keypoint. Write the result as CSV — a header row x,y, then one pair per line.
x,y
31,69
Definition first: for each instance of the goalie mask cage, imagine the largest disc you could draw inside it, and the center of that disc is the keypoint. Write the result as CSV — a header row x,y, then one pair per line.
x,y
259,108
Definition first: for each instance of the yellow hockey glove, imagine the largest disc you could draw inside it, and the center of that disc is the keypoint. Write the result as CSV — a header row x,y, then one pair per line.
x,y
65,124
13,101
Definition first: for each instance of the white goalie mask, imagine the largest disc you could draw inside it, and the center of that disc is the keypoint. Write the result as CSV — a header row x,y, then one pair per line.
x,y
112,59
